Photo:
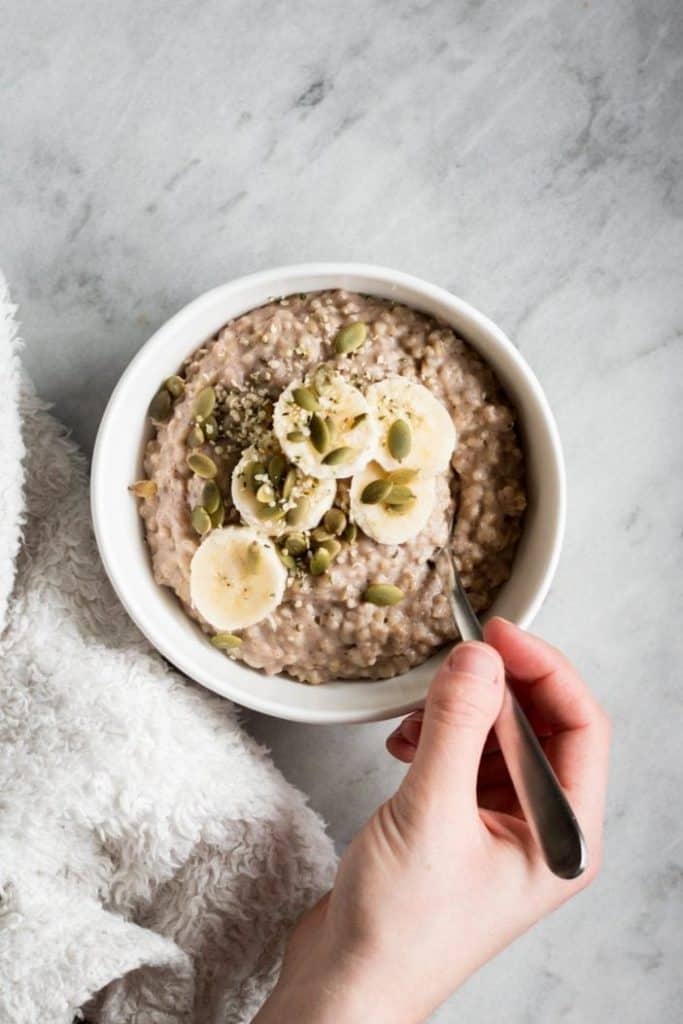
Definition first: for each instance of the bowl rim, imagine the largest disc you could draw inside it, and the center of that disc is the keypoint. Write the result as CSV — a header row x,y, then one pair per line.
x,y
381,276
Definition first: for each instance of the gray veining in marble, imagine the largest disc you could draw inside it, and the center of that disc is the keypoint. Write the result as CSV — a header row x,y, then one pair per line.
x,y
528,156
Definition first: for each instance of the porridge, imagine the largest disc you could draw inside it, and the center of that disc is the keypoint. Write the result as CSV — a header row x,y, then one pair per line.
x,y
304,470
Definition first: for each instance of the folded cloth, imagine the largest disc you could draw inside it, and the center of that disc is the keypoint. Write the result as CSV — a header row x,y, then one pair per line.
x,y
152,860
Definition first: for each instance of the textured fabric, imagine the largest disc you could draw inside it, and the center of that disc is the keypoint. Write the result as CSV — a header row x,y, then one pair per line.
x,y
151,858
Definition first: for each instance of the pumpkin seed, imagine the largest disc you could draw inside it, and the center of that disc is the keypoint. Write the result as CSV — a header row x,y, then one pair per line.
x,y
403,476
270,513
383,594
331,428
211,497
218,517
350,533
204,403
225,641
320,534
320,435
251,471
296,544
357,420
265,494
296,435
201,520
376,491
211,427
350,338
202,465
253,557
143,489
334,521
286,559
276,469
195,438
296,515
399,440
338,456
288,485
332,546
160,406
399,495
305,399
175,386
320,562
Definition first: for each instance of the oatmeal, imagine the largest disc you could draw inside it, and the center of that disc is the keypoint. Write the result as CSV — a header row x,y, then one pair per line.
x,y
321,443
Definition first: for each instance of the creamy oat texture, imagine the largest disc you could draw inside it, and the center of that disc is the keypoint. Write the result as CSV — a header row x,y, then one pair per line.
x,y
323,630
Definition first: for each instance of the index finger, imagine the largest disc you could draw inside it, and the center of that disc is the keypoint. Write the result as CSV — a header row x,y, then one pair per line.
x,y
552,690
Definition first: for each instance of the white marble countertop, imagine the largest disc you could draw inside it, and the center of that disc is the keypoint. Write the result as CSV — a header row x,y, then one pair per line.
x,y
527,156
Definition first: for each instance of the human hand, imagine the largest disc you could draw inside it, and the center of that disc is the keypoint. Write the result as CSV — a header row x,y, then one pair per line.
x,y
446,873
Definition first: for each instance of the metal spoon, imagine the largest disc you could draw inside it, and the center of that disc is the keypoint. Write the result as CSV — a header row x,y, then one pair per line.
x,y
541,797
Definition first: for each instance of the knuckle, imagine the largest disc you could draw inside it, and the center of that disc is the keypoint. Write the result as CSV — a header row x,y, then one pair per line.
x,y
460,709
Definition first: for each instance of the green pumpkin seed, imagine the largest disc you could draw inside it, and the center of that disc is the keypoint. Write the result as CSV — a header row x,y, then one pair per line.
x,y
296,544
276,469
211,428
320,562
357,420
201,520
175,386
383,594
403,476
225,641
195,438
295,516
251,471
296,435
332,546
339,456
160,406
202,465
143,489
204,403
218,517
270,513
289,481
399,495
211,496
286,560
253,557
320,534
334,521
265,494
305,399
376,491
350,338
350,533
399,440
320,435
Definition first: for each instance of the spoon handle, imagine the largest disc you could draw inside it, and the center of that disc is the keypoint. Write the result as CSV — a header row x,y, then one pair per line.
x,y
540,795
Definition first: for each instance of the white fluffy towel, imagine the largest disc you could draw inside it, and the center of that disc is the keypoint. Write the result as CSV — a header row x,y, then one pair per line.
x,y
152,860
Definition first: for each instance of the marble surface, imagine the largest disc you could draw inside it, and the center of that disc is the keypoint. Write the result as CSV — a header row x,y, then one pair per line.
x,y
527,156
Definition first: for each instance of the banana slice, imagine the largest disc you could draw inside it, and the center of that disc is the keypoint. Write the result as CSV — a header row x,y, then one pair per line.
x,y
236,578
388,507
324,425
416,430
276,497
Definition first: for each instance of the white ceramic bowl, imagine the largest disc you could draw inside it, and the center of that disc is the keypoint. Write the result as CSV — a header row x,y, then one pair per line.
x,y
117,461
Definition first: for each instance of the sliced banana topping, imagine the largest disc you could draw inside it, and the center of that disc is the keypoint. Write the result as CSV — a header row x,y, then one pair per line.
x,y
236,578
391,508
324,425
416,430
276,497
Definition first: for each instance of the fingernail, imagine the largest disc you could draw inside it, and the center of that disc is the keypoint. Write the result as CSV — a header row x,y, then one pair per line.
x,y
475,659
410,730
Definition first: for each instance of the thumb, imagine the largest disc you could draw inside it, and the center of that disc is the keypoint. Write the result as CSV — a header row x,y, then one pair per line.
x,y
463,702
